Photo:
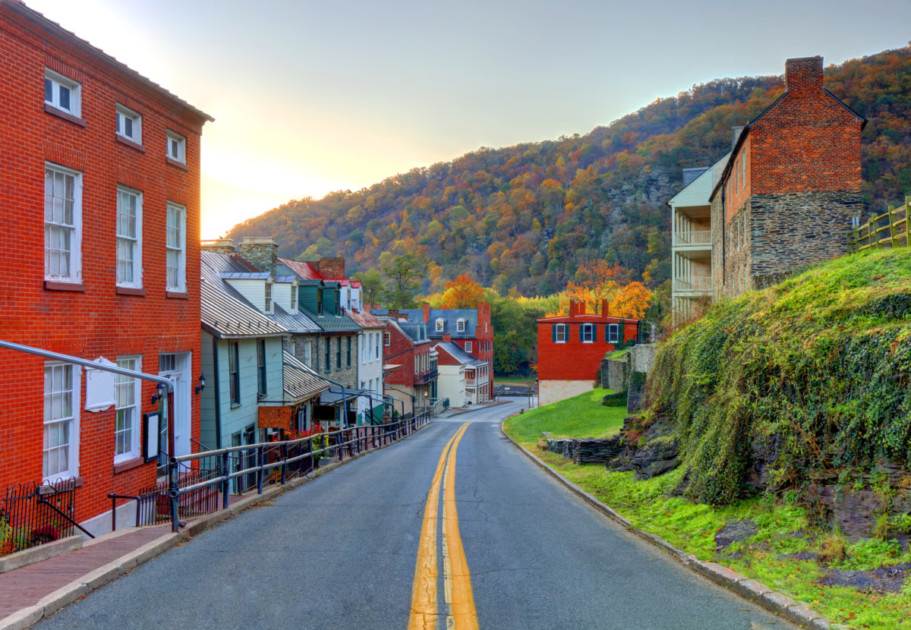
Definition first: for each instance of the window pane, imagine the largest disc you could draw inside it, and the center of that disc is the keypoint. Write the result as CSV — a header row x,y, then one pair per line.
x,y
48,90
64,97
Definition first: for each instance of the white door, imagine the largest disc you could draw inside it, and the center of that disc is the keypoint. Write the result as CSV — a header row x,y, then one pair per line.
x,y
176,367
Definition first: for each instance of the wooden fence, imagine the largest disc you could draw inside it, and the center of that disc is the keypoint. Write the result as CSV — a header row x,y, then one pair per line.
x,y
891,229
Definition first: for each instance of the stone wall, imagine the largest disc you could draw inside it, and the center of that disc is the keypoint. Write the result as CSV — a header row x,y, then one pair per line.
x,y
614,373
642,357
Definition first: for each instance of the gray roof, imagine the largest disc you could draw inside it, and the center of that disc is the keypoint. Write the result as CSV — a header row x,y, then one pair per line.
x,y
300,382
217,267
223,311
457,353
450,319
298,324
245,275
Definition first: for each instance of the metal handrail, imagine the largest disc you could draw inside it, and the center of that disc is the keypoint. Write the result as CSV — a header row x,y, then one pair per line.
x,y
352,440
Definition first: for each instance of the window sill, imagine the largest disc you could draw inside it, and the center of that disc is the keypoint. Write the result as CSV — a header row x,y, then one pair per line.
x,y
129,464
175,163
235,405
59,113
50,481
130,291
177,295
130,143
59,285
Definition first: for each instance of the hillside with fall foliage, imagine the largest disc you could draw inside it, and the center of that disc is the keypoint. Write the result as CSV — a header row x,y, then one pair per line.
x,y
524,218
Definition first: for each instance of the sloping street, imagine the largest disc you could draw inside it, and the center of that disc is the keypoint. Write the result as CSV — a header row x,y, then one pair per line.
x,y
342,552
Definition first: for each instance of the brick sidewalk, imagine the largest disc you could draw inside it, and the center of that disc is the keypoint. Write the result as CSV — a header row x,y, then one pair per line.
x,y
27,585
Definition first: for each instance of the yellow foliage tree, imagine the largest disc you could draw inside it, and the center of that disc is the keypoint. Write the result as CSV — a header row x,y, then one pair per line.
x,y
463,292
631,301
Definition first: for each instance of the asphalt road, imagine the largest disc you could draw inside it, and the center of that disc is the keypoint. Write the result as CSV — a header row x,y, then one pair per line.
x,y
340,552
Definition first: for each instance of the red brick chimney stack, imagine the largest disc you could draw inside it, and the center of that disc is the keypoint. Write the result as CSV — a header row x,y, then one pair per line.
x,y
605,308
332,268
803,73
447,337
426,308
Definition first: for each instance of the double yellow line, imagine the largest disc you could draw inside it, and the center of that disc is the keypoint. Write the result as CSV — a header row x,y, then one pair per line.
x,y
456,577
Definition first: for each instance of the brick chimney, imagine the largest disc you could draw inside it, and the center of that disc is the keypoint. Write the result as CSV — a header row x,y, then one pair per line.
x,y
332,268
447,337
803,73
394,313
426,308
261,252
605,308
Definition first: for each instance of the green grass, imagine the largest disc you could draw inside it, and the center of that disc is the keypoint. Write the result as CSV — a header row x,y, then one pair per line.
x,y
617,354
582,416
784,526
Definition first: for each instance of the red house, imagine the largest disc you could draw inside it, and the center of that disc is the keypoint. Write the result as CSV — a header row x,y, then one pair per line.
x,y
410,368
570,349
99,190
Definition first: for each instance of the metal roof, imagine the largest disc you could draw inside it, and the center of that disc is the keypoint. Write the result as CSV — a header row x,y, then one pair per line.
x,y
223,311
364,319
298,323
450,319
300,382
458,353
245,275
303,269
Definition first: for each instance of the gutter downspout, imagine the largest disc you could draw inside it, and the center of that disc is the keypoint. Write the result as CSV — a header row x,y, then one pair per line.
x,y
217,393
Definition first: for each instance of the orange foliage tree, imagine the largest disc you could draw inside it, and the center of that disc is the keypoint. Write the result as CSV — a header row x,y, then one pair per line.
x,y
463,292
596,281
631,301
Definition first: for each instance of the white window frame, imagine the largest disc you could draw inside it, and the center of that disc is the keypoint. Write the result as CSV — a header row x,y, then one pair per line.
x,y
123,386
386,339
293,303
176,147
588,333
460,325
561,333
129,124
613,333
440,325
128,241
176,250
59,86
58,394
267,301
56,225
468,347
376,355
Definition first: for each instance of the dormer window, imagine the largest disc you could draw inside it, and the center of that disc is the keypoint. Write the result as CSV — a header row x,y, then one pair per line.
x,y
440,325
268,300
460,325
293,304
319,301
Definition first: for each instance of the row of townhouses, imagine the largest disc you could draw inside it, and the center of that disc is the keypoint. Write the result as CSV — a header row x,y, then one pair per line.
x,y
113,273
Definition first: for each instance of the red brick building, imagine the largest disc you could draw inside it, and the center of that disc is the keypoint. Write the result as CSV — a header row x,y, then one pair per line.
x,y
410,368
791,187
469,328
99,190
570,349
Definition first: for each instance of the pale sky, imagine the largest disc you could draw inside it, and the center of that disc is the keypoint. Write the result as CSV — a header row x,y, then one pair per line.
x,y
315,96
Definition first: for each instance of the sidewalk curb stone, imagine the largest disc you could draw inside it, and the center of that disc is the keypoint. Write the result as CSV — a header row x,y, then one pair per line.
x,y
777,603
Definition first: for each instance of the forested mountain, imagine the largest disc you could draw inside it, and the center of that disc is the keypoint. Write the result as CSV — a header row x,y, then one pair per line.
x,y
525,217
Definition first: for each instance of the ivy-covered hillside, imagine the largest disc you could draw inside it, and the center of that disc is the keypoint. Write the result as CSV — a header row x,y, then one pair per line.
x,y
806,382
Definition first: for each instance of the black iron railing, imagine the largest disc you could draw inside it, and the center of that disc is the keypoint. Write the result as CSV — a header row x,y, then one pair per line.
x,y
35,513
204,482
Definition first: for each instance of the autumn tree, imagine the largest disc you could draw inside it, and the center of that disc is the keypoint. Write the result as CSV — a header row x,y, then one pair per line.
x,y
463,292
371,286
595,281
403,276
631,301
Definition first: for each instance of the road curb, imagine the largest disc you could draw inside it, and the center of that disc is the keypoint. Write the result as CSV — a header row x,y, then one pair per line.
x,y
753,590
52,602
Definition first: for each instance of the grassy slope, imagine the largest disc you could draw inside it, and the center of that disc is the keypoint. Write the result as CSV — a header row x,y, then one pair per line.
x,y
837,338
579,417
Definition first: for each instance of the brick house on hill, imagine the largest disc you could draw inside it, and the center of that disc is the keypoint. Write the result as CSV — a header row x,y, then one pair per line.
x,y
570,349
410,370
99,189
791,187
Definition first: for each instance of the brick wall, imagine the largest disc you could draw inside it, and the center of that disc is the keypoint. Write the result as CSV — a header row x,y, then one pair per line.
x,y
96,319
